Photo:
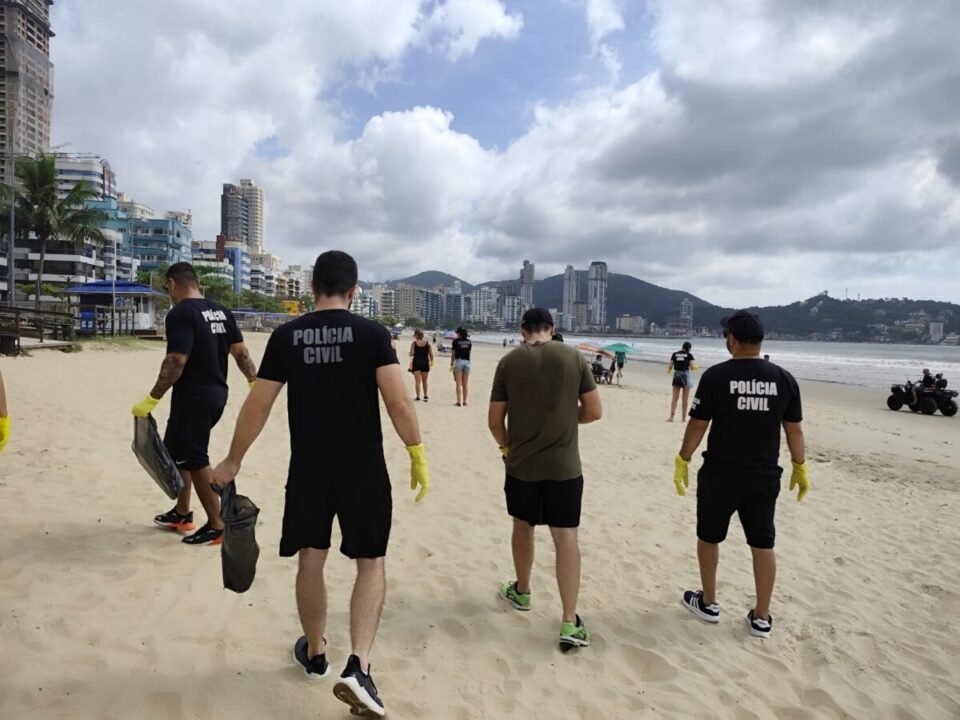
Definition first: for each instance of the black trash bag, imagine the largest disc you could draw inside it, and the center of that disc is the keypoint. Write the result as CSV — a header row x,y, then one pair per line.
x,y
239,552
153,456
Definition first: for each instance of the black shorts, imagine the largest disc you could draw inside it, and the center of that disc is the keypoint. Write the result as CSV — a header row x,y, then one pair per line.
x,y
753,498
362,506
188,433
555,503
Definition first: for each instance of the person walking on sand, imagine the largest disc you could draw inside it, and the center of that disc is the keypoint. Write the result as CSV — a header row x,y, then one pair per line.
x,y
201,335
421,360
744,401
542,391
333,364
460,364
4,417
682,367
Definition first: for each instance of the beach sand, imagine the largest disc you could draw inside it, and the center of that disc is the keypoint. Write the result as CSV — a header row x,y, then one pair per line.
x,y
103,615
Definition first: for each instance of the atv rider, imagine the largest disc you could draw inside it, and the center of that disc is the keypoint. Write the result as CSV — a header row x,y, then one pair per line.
x,y
927,382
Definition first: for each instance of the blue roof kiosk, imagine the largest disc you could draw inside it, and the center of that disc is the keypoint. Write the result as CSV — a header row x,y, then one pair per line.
x,y
136,303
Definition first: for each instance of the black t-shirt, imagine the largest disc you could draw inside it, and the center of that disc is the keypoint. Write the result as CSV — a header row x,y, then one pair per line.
x,y
329,360
461,349
204,331
681,360
928,381
746,400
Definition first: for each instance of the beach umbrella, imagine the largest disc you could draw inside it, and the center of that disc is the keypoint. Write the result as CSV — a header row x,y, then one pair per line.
x,y
618,347
593,349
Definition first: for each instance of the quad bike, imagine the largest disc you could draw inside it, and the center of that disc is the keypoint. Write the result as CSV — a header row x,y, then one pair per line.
x,y
924,400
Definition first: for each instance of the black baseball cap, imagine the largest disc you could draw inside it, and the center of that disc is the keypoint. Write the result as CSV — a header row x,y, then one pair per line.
x,y
744,325
536,316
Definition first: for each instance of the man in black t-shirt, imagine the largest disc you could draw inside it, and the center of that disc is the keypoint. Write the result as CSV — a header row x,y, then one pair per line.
x,y
744,401
334,363
200,336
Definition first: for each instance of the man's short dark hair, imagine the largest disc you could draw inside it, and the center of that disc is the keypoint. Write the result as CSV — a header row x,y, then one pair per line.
x,y
182,273
537,320
334,273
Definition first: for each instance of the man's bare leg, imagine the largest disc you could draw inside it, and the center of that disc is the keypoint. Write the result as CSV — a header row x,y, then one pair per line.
x,y
764,576
208,498
183,497
568,570
312,599
365,607
523,549
709,556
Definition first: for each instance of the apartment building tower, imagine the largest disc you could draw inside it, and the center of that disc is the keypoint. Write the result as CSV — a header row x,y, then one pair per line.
x,y
26,80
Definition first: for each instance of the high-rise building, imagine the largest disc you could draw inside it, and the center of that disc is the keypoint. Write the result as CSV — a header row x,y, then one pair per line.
x,y
597,290
184,217
93,171
526,285
26,79
134,209
234,215
575,289
253,196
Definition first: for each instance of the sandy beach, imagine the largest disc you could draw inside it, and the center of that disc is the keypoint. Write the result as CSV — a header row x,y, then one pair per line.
x,y
102,615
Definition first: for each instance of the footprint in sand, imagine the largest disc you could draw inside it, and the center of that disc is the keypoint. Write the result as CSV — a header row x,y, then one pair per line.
x,y
649,665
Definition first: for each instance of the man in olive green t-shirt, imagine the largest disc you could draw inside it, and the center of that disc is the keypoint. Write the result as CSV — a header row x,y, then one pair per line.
x,y
546,389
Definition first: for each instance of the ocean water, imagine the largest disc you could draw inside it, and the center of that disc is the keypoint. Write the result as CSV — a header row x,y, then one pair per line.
x,y
864,364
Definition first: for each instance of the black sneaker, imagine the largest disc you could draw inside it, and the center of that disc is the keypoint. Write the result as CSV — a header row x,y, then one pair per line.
x,y
206,535
315,667
693,601
758,626
175,521
355,687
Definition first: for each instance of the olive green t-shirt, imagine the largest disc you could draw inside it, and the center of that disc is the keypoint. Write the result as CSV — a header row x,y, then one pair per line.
x,y
542,384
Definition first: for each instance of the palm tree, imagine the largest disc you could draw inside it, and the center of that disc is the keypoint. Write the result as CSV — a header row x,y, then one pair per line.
x,y
41,211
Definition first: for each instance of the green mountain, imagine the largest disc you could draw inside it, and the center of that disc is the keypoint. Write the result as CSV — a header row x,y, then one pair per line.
x,y
430,279
893,319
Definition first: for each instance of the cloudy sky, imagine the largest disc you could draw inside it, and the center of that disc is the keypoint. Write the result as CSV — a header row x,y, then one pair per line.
x,y
748,151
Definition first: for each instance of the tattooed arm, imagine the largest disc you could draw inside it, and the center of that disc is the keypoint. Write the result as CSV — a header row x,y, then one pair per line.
x,y
242,355
170,372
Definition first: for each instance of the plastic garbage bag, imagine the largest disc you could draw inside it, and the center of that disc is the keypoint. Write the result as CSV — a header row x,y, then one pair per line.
x,y
153,456
239,552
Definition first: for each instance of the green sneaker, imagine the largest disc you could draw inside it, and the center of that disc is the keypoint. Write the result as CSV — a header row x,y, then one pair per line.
x,y
574,635
519,600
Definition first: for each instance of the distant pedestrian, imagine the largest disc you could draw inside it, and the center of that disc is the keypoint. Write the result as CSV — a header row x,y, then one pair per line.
x,y
421,360
542,391
744,402
682,367
460,364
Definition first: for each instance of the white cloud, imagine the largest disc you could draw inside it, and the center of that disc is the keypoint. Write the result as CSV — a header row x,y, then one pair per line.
x,y
776,151
460,25
603,18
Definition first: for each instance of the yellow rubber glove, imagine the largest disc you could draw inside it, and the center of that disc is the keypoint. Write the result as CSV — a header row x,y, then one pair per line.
x,y
419,475
251,383
694,366
4,432
451,368
505,451
669,370
145,406
431,362
681,475
799,478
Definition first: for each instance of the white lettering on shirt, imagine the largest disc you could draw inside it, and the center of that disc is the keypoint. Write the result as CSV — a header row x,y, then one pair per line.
x,y
216,318
322,345
753,395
